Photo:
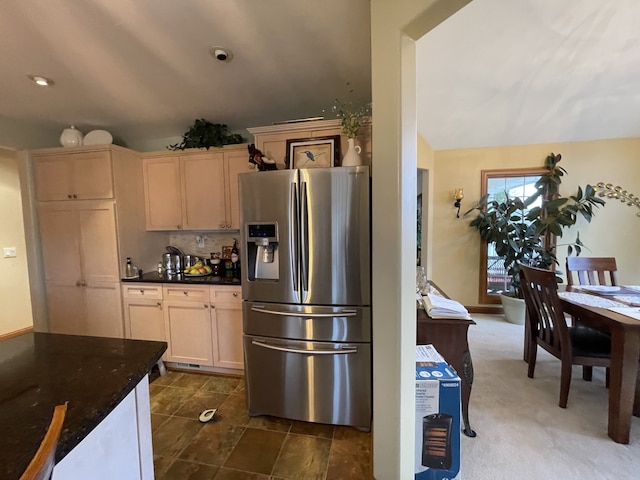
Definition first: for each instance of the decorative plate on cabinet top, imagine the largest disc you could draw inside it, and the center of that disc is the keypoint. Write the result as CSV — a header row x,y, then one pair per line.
x,y
98,137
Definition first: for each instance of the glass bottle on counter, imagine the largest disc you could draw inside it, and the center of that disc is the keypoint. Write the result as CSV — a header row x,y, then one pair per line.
x,y
235,258
215,262
130,271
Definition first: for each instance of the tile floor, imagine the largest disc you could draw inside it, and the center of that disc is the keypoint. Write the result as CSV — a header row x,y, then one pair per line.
x,y
235,446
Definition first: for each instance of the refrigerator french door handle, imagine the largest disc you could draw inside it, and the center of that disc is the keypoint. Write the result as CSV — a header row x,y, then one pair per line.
x,y
342,313
340,351
304,242
295,221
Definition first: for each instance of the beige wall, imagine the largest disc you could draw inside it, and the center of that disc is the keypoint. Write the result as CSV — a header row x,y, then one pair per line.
x,y
614,231
15,300
426,162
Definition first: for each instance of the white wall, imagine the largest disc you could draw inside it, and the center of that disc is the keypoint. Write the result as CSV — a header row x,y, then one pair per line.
x,y
15,299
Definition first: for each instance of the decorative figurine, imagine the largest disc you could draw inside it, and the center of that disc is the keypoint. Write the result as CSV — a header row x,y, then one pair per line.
x,y
258,159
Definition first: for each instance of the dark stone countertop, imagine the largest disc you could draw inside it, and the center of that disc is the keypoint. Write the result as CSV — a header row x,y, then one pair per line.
x,y
155,277
41,370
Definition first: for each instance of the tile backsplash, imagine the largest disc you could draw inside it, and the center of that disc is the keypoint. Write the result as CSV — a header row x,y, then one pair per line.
x,y
213,242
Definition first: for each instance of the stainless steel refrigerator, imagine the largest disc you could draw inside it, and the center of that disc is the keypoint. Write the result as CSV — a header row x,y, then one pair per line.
x,y
306,288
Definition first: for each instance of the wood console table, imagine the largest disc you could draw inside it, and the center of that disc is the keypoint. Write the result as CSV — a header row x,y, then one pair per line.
x,y
449,337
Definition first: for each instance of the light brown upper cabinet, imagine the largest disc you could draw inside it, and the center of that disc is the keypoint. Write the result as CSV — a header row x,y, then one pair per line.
x,y
193,190
73,176
272,139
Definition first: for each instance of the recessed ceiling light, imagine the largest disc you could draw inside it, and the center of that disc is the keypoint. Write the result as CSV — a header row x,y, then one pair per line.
x,y
41,81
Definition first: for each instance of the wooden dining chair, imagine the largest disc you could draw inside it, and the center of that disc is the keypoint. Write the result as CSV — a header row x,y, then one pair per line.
x,y
579,345
592,270
42,463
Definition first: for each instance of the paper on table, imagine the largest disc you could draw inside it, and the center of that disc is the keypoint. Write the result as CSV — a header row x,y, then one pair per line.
x,y
440,307
627,311
589,300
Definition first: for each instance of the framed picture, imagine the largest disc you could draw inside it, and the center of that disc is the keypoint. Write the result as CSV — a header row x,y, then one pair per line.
x,y
313,152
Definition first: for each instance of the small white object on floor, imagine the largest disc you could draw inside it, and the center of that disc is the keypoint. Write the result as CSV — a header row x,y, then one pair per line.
x,y
207,415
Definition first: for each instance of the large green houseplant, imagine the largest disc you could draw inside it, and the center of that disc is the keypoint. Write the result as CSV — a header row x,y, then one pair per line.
x,y
526,234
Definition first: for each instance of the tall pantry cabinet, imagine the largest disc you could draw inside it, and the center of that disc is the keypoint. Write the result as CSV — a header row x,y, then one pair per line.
x,y
91,217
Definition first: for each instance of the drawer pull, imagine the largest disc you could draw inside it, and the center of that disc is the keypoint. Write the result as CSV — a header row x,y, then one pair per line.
x,y
340,351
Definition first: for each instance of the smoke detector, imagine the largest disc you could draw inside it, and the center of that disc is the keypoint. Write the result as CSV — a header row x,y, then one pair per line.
x,y
220,53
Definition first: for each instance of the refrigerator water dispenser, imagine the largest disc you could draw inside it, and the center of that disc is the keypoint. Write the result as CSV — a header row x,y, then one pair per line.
x,y
262,247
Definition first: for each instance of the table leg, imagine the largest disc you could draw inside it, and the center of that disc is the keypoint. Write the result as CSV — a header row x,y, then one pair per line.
x,y
625,348
467,382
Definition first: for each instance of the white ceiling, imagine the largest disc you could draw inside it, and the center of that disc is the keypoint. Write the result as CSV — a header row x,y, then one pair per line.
x,y
497,73
142,68
531,71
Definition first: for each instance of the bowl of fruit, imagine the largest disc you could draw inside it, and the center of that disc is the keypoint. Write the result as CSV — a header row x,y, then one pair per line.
x,y
198,269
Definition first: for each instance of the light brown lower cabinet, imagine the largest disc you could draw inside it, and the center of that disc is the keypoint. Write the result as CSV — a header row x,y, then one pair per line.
x,y
144,312
80,257
202,325
92,309
227,327
187,321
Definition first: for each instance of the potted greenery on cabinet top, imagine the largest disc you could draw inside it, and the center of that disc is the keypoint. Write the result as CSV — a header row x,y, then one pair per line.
x,y
526,234
205,134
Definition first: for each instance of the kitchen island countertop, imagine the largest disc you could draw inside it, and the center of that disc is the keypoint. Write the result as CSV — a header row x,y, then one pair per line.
x,y
155,277
40,370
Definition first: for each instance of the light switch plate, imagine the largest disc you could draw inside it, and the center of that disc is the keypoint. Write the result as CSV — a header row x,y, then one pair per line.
x,y
9,252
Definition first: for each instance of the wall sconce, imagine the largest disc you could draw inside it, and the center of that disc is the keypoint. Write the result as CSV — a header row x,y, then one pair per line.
x,y
458,195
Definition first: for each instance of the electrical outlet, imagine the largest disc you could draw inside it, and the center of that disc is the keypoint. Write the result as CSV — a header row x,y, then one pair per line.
x,y
200,240
9,252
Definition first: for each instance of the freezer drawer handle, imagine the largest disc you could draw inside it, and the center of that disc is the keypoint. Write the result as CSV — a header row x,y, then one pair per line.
x,y
302,350
342,313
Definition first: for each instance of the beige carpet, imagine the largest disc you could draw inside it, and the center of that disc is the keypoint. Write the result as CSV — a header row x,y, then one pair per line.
x,y
522,433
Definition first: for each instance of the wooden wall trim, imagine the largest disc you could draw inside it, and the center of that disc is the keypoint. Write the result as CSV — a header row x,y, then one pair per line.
x,y
17,333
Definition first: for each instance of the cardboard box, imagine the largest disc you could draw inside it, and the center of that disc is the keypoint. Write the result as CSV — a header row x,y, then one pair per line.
x,y
438,412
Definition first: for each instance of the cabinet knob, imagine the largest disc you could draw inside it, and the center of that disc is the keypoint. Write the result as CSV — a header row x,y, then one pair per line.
x,y
78,283
235,294
142,291
206,306
228,225
69,196
186,293
159,304
75,196
222,225
179,227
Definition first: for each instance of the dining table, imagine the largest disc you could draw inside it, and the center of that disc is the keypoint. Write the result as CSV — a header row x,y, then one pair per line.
x,y
596,308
